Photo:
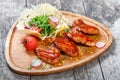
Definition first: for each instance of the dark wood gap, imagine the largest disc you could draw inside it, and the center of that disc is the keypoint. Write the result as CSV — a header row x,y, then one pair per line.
x,y
84,8
26,5
85,15
74,74
97,58
101,68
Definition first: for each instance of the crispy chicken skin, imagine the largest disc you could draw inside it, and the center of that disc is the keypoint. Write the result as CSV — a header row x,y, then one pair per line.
x,y
78,22
85,28
50,55
79,37
66,46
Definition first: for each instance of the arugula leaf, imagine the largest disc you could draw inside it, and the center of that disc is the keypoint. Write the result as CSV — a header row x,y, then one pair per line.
x,y
43,23
67,29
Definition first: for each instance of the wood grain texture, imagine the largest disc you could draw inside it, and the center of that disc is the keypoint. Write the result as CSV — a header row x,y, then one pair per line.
x,y
8,10
85,72
6,74
13,48
56,3
108,13
68,75
104,11
90,71
75,6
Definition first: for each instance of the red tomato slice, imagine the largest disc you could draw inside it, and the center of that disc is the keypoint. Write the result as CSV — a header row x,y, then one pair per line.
x,y
36,29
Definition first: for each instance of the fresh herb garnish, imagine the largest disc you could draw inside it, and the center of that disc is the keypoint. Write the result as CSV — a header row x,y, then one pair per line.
x,y
43,66
51,66
37,57
87,50
29,68
43,23
67,29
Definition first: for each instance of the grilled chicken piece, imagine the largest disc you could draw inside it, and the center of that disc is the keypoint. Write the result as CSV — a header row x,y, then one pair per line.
x,y
66,46
50,55
79,37
78,22
85,28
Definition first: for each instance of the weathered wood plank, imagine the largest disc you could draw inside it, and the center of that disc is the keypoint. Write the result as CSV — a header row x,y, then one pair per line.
x,y
7,74
8,9
74,6
101,11
90,71
108,13
36,2
68,75
105,11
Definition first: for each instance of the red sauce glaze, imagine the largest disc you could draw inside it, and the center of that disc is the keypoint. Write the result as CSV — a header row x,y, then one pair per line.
x,y
50,55
85,28
66,46
79,37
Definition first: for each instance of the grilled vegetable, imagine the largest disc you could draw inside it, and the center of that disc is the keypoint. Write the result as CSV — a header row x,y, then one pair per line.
x,y
30,43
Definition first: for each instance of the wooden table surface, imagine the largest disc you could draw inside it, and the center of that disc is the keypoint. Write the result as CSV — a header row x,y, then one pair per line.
x,y
106,67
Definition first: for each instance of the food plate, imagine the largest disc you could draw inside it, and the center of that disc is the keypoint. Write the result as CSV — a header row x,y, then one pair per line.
x,y
18,59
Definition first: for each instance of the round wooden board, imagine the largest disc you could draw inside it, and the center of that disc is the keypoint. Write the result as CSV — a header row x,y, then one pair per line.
x,y
17,58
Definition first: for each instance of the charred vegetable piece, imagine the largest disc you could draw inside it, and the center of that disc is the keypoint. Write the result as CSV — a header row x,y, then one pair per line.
x,y
66,46
30,43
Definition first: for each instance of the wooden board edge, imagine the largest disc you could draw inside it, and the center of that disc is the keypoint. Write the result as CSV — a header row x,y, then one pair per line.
x,y
36,72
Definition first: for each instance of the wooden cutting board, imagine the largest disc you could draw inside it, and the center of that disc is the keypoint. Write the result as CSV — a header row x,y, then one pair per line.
x,y
19,60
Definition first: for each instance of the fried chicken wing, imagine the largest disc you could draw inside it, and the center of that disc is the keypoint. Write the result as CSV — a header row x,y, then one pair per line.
x,y
85,28
66,46
50,55
79,37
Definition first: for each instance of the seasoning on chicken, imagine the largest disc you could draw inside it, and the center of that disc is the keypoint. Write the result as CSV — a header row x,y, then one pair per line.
x,y
85,28
79,37
50,55
78,22
66,46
